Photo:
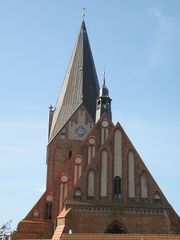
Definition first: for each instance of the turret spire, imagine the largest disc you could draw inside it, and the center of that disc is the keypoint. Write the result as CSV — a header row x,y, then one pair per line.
x,y
103,104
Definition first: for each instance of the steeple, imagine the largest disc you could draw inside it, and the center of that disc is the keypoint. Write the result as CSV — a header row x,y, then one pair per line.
x,y
103,104
80,85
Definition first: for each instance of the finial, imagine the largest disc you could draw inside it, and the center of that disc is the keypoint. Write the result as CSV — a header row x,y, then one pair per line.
x,y
50,108
104,77
83,13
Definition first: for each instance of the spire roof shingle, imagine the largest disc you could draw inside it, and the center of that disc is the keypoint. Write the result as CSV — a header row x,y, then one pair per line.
x,y
80,85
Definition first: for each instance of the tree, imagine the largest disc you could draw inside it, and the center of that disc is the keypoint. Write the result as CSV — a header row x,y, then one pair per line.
x,y
6,227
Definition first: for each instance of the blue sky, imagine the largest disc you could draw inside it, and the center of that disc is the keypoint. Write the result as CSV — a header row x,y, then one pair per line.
x,y
136,41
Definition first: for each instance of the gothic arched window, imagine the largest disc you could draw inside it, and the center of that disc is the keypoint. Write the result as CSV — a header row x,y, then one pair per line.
x,y
63,190
78,193
131,175
69,153
157,197
103,183
115,228
144,185
117,187
77,169
91,182
48,210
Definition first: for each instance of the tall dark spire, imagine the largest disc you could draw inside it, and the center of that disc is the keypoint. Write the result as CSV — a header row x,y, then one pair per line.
x,y
80,85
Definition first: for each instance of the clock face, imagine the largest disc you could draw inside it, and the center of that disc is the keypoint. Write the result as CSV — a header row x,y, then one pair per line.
x,y
80,131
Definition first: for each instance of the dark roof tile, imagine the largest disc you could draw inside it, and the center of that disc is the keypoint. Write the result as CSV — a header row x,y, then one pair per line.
x,y
80,85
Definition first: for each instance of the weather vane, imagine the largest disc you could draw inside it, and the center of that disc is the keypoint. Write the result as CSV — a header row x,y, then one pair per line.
x,y
83,12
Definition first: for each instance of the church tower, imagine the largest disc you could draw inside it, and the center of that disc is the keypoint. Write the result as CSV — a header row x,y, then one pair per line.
x,y
96,180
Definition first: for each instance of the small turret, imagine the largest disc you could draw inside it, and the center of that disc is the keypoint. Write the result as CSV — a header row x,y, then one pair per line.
x,y
103,104
51,111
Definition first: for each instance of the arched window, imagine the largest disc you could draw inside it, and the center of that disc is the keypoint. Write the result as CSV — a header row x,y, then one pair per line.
x,y
63,191
104,130
36,214
117,187
157,197
144,185
114,228
77,169
131,175
91,148
103,189
48,210
77,193
117,153
48,206
69,153
91,182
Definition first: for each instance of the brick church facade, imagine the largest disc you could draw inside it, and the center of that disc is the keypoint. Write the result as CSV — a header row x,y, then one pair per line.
x,y
96,180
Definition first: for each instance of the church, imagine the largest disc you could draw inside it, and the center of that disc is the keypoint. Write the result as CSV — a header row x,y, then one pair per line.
x,y
97,185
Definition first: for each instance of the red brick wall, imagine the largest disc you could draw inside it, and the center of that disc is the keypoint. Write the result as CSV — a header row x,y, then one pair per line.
x,y
98,222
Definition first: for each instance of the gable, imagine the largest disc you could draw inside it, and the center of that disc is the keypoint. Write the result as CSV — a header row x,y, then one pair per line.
x,y
110,158
105,170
